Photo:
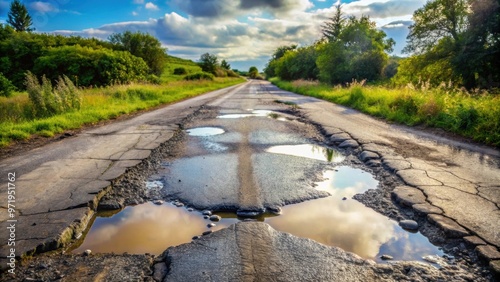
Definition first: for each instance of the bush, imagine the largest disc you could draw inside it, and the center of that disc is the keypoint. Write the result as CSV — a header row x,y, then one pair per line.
x,y
199,76
180,71
6,87
232,73
49,101
91,67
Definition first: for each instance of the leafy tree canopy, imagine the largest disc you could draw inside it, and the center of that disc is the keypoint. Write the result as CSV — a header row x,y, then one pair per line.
x,y
142,45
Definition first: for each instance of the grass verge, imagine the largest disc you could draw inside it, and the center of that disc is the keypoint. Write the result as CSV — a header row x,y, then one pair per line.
x,y
16,113
476,116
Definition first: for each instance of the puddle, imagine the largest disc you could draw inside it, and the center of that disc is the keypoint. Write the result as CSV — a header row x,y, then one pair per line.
x,y
205,131
160,226
332,221
309,151
255,113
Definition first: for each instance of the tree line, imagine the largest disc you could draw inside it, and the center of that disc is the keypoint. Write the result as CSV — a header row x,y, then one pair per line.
x,y
454,42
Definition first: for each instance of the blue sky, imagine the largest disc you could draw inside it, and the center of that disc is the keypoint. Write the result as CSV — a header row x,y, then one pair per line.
x,y
244,32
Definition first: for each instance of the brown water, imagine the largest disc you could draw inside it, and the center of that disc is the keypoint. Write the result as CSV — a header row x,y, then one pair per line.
x,y
331,221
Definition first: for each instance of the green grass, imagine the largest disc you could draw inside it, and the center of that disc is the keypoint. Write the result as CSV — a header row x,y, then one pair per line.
x,y
16,113
475,116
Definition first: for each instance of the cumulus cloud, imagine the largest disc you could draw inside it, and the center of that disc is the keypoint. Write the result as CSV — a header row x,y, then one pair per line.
x,y
244,30
151,6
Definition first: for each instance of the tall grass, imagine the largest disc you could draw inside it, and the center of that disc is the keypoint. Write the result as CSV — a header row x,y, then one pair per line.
x,y
18,119
472,115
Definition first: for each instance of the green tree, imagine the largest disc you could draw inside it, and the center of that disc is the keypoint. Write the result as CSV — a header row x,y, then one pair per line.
x,y
438,19
358,52
332,28
18,17
477,60
270,69
209,63
142,45
253,72
225,65
298,64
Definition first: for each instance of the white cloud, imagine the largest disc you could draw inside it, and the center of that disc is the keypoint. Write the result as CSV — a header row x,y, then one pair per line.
x,y
254,37
151,6
43,7
134,13
139,2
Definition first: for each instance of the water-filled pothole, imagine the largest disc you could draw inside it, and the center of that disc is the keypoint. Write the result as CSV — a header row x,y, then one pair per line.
x,y
309,151
205,131
335,221
254,113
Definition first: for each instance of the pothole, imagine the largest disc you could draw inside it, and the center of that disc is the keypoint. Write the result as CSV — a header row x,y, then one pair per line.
x,y
205,131
254,113
309,151
337,221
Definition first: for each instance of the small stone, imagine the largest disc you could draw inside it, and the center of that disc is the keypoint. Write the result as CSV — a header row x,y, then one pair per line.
x,y
274,210
386,257
349,144
211,224
180,180
207,232
190,209
196,237
215,218
87,252
179,204
205,212
343,199
408,224
158,202
206,217
43,266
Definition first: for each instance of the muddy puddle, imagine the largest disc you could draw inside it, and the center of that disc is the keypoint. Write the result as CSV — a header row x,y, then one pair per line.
x,y
337,220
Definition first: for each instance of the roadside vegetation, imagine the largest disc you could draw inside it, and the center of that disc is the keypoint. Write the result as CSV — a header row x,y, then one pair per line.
x,y
52,83
450,80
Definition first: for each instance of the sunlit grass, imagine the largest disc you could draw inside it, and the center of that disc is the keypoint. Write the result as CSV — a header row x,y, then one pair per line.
x,y
16,113
476,116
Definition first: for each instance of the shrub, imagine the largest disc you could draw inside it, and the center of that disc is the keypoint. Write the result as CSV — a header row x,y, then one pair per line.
x,y
199,76
180,71
6,87
232,73
91,67
49,101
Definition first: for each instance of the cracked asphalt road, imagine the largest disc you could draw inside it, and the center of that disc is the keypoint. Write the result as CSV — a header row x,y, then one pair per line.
x,y
456,184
